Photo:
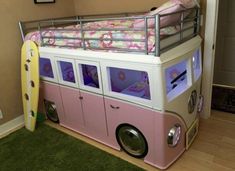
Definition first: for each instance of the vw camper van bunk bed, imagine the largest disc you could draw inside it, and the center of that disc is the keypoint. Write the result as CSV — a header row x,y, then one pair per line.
x,y
131,82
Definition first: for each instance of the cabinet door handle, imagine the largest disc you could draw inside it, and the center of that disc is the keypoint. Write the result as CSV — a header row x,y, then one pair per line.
x,y
114,107
80,97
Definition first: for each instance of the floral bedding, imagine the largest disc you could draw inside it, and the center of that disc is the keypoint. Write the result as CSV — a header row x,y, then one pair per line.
x,y
105,38
94,32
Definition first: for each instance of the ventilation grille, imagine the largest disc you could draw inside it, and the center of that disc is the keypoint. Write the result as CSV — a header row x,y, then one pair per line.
x,y
191,133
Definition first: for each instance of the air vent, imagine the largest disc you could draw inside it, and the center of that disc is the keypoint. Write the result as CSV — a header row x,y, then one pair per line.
x,y
191,133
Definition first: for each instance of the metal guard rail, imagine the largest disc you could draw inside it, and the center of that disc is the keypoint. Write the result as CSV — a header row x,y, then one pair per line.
x,y
51,24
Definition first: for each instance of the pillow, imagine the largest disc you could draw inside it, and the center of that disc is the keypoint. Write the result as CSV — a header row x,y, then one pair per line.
x,y
187,3
174,6
168,7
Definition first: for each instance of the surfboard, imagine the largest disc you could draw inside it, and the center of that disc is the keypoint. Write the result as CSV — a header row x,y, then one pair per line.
x,y
30,82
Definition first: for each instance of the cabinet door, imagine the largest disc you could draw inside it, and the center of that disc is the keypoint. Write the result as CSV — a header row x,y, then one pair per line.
x,y
73,109
94,114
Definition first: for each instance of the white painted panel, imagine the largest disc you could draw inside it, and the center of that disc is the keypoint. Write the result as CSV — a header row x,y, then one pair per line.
x,y
11,126
209,54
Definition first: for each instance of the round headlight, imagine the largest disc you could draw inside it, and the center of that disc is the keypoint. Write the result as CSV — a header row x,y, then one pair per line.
x,y
174,135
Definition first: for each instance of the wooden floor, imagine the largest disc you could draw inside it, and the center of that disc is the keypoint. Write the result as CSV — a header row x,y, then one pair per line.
x,y
212,150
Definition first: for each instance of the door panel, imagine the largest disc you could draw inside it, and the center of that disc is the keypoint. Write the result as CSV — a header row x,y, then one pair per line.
x,y
94,114
72,107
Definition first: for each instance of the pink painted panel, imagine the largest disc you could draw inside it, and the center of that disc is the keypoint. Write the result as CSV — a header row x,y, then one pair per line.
x,y
72,107
166,155
94,115
154,126
141,118
171,153
51,92
41,99
90,119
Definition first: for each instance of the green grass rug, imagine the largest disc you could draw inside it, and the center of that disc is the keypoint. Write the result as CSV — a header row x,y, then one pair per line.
x,y
51,150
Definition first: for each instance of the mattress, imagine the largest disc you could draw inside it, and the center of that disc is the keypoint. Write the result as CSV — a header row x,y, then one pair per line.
x,y
112,38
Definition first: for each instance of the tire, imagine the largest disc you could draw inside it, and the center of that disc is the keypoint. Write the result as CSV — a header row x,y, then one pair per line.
x,y
51,112
132,141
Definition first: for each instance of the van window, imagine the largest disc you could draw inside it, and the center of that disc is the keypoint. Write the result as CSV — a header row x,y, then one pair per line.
x,y
45,67
196,64
90,76
176,79
129,82
67,71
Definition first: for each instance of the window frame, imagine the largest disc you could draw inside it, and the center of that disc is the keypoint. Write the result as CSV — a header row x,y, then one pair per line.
x,y
82,86
60,77
130,66
170,96
53,66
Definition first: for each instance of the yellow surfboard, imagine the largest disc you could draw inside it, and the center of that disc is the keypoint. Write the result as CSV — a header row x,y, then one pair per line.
x,y
30,82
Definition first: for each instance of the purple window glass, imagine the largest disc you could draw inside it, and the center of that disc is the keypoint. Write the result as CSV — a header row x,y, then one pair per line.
x,y
45,68
90,75
67,71
130,82
196,64
176,76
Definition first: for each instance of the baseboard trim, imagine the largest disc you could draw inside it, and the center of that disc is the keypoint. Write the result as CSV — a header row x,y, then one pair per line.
x,y
11,126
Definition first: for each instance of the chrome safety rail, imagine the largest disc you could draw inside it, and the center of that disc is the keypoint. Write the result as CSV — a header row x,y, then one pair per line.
x,y
58,24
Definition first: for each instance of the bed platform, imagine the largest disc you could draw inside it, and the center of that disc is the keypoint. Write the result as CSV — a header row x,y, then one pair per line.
x,y
130,32
129,81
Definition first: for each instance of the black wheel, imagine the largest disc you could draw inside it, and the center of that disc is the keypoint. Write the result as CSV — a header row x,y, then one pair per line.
x,y
132,141
51,112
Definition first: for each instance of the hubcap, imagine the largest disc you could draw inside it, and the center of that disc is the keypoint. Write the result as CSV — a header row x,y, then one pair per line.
x,y
51,111
132,141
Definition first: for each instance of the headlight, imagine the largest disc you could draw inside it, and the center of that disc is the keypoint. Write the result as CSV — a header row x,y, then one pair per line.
x,y
174,135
